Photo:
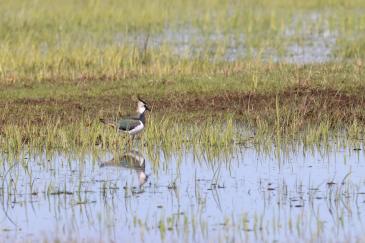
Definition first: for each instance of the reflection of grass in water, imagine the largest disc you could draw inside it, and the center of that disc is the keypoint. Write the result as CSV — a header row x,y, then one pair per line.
x,y
252,222
206,136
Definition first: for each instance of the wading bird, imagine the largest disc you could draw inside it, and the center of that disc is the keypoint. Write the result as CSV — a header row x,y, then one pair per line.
x,y
132,124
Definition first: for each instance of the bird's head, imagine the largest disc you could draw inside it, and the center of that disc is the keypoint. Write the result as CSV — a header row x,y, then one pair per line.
x,y
142,106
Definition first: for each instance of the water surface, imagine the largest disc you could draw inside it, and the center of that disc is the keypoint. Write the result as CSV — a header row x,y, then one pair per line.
x,y
245,196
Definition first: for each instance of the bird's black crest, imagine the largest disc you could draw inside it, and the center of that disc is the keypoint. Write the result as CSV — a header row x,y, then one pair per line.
x,y
143,101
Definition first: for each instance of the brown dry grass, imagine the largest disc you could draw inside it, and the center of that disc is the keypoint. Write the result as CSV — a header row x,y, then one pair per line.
x,y
309,105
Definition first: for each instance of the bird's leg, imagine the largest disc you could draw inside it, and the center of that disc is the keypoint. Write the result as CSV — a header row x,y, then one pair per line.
x,y
133,139
130,142
127,144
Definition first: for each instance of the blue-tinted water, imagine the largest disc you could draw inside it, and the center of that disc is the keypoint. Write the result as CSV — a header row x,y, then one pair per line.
x,y
245,196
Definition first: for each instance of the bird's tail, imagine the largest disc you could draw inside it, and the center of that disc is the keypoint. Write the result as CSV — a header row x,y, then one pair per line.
x,y
108,123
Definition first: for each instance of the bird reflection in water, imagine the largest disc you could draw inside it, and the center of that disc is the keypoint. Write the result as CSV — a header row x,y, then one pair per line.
x,y
131,160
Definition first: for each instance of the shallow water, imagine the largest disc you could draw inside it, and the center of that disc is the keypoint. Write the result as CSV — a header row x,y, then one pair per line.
x,y
193,44
306,38
246,196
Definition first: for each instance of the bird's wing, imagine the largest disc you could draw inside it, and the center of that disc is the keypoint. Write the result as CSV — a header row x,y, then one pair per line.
x,y
128,124
133,117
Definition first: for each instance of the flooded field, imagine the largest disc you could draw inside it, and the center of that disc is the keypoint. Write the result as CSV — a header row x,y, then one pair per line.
x,y
307,38
254,128
301,194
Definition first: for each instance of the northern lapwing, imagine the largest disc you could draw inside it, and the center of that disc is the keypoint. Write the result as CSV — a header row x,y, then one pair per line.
x,y
131,160
134,124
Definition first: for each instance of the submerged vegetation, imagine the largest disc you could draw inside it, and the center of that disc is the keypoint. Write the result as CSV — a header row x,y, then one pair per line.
x,y
213,135
260,101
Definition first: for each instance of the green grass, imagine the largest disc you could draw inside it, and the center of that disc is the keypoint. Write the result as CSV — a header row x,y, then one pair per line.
x,y
64,65
76,40
254,77
210,137
217,76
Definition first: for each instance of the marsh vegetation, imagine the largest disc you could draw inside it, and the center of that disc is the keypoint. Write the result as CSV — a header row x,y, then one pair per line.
x,y
256,131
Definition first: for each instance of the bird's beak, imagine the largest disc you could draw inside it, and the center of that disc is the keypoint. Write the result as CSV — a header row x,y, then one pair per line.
x,y
147,108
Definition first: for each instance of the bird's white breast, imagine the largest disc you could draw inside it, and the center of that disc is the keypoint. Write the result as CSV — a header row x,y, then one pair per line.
x,y
137,129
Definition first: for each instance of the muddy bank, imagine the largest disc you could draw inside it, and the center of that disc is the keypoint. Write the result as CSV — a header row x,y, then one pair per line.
x,y
310,104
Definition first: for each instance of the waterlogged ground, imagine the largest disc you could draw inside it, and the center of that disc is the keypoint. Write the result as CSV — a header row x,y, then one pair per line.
x,y
269,64
246,194
305,40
